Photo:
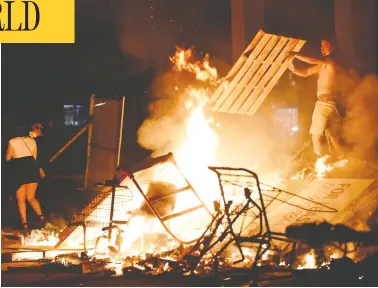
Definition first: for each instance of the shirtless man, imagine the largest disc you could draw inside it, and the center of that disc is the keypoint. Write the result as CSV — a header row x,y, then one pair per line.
x,y
326,116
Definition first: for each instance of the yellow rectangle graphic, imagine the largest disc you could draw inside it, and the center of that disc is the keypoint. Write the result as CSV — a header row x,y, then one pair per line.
x,y
37,21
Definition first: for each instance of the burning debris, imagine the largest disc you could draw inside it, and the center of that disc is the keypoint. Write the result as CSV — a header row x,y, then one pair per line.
x,y
47,236
184,215
323,166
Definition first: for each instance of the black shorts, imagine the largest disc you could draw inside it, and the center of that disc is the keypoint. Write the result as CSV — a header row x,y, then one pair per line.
x,y
23,171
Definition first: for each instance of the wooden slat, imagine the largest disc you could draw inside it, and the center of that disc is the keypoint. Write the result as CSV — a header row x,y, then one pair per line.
x,y
249,75
270,73
262,70
252,79
244,57
269,86
239,64
230,87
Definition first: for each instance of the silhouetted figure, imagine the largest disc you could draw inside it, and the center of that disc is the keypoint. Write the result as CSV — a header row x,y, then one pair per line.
x,y
25,174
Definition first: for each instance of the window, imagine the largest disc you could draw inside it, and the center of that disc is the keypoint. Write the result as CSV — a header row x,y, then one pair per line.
x,y
72,115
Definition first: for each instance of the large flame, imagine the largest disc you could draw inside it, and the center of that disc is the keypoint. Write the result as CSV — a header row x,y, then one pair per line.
x,y
197,151
183,61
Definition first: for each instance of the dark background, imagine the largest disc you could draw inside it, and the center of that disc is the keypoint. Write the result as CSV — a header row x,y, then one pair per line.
x,y
120,47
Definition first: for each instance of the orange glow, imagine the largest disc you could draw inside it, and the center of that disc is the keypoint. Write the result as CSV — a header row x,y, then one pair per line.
x,y
183,61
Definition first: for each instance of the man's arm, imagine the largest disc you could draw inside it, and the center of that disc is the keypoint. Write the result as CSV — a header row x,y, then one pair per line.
x,y
314,69
306,59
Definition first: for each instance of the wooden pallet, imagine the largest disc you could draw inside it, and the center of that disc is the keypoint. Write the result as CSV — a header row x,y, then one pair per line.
x,y
254,75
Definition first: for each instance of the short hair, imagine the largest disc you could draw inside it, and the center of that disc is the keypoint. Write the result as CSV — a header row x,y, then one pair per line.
x,y
37,126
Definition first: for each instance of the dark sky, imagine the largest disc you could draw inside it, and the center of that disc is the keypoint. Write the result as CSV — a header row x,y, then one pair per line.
x,y
117,44
122,44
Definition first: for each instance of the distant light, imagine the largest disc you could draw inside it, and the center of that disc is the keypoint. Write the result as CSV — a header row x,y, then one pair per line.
x,y
100,104
360,277
295,129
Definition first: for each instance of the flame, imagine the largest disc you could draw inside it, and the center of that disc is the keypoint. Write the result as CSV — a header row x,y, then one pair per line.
x,y
197,151
193,156
309,261
47,236
202,70
322,168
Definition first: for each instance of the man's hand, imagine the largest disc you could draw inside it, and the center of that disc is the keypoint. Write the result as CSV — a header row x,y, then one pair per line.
x,y
291,55
290,66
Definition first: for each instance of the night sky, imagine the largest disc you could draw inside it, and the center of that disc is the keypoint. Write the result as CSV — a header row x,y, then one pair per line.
x,y
119,46
122,44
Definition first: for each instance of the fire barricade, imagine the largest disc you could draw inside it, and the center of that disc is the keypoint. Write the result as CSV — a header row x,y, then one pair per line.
x,y
110,205
153,188
241,219
167,195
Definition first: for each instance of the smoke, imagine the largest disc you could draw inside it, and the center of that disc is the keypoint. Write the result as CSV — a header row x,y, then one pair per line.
x,y
360,123
163,131
160,134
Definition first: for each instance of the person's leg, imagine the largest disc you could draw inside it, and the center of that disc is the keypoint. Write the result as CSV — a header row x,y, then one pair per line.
x,y
334,127
318,125
21,196
317,144
31,188
336,146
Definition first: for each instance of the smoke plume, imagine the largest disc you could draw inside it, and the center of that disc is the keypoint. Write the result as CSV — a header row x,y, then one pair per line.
x,y
360,123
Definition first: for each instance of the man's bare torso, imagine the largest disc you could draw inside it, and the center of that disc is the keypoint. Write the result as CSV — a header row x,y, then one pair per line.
x,y
326,79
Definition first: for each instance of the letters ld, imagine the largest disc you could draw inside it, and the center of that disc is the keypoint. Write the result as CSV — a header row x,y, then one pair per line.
x,y
21,27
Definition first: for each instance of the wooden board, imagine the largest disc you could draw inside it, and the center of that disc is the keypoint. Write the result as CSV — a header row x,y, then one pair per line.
x,y
334,193
254,75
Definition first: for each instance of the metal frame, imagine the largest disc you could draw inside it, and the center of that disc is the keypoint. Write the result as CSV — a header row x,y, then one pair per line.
x,y
263,237
79,219
149,201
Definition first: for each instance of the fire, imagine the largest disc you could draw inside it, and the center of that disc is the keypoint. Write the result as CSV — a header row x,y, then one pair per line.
x,y
309,261
321,169
202,70
48,236
197,151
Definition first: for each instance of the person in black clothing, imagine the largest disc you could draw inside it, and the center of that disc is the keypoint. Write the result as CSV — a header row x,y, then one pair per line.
x,y
25,174
36,133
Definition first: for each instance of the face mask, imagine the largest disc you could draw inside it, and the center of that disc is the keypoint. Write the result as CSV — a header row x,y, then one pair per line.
x,y
32,134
